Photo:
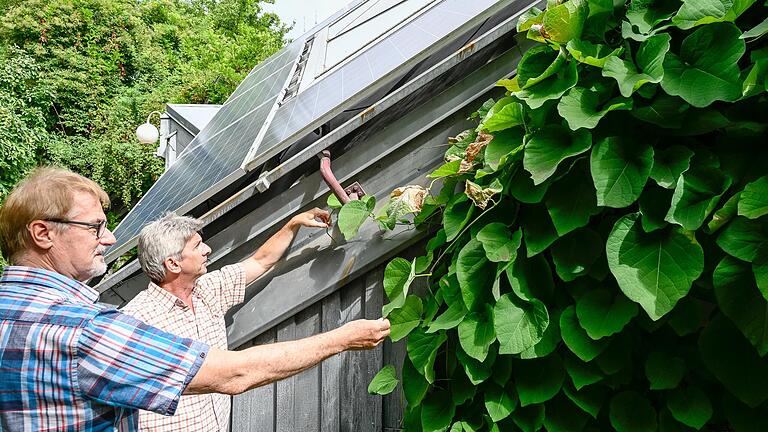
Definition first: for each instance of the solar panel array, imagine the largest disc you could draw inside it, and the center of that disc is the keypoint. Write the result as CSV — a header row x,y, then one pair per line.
x,y
228,143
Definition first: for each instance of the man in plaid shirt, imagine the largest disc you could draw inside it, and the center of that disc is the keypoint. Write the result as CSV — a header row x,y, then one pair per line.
x,y
182,298
70,364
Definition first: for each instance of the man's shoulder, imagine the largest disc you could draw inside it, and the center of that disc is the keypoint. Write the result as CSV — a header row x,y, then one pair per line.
x,y
141,306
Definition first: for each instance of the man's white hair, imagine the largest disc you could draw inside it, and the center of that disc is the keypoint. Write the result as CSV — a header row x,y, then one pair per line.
x,y
162,239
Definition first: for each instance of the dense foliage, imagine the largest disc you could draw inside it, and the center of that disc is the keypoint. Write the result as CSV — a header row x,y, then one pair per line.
x,y
78,76
601,255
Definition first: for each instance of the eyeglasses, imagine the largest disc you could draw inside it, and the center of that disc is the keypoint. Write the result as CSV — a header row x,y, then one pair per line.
x,y
98,226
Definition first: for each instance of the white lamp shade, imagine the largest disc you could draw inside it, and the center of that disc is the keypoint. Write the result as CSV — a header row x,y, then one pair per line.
x,y
147,133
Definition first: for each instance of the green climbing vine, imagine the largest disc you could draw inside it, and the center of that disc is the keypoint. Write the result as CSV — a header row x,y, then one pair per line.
x,y
600,256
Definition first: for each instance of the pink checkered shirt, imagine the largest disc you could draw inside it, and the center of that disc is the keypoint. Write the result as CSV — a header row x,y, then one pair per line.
x,y
213,295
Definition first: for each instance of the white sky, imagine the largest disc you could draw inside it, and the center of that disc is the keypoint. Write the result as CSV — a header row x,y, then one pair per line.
x,y
305,14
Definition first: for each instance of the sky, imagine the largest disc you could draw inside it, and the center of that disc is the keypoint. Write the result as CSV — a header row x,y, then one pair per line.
x,y
305,13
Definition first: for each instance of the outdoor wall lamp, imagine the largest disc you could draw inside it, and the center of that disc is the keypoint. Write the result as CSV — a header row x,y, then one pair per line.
x,y
148,133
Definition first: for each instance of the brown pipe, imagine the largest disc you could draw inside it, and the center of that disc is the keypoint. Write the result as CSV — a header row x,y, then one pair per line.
x,y
330,179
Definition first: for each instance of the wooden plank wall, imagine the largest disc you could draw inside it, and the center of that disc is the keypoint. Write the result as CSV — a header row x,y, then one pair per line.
x,y
332,396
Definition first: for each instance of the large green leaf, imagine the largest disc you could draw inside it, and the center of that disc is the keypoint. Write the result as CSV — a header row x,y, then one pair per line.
x,y
669,163
476,333
592,54
620,168
476,371
548,343
653,269
571,201
603,313
504,145
437,412
422,350
499,243
734,362
519,325
753,201
697,193
522,188
576,338
498,403
405,319
663,371
575,253
583,108
384,382
582,373
353,214
707,68
741,301
697,12
398,276
690,406
538,380
546,148
450,318
649,69
631,412
538,64
743,238
475,274
531,278
668,112
550,88
564,21
508,116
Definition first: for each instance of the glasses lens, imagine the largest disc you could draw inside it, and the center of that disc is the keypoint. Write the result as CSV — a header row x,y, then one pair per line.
x,y
100,228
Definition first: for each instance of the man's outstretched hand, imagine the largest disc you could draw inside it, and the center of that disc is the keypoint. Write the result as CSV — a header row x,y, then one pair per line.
x,y
364,334
315,218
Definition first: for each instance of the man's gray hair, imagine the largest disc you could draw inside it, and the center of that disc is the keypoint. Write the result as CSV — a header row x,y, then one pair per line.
x,y
162,239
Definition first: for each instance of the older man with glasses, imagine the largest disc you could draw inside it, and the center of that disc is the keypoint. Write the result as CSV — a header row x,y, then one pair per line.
x,y
69,363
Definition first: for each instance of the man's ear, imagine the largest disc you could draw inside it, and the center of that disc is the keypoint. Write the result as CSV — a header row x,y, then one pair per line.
x,y
42,234
172,265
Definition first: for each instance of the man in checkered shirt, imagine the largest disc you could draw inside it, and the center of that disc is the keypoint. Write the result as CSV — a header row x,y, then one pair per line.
x,y
70,364
182,298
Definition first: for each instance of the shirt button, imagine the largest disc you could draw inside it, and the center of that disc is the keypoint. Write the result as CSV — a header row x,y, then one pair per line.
x,y
180,303
202,355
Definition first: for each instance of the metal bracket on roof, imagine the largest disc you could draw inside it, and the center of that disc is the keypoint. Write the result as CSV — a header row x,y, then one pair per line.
x,y
352,192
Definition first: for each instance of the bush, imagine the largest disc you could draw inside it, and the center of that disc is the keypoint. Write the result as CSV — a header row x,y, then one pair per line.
x,y
601,259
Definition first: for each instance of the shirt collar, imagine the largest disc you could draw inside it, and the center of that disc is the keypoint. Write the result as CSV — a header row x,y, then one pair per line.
x,y
165,300
50,280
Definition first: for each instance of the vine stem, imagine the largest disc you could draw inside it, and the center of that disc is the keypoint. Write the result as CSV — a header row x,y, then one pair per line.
x,y
463,230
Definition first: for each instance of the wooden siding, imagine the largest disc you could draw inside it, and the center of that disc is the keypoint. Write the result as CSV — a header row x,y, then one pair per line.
x,y
332,396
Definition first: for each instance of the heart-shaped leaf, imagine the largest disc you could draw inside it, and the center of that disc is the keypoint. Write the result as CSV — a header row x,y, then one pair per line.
x,y
576,338
690,406
649,68
582,108
519,325
653,269
707,68
620,168
406,318
546,148
631,412
384,382
476,333
603,313
697,193
538,380
753,201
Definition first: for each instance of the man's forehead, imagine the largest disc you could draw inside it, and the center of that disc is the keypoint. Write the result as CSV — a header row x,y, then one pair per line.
x,y
87,206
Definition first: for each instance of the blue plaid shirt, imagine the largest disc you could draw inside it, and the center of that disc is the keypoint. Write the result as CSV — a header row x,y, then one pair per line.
x,y
70,364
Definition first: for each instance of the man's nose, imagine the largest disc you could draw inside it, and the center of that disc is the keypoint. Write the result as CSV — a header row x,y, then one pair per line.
x,y
107,239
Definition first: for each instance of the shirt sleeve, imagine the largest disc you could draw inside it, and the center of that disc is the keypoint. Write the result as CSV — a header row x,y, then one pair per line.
x,y
226,285
126,363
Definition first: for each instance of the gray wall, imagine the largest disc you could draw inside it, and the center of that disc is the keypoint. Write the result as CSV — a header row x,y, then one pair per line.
x,y
332,396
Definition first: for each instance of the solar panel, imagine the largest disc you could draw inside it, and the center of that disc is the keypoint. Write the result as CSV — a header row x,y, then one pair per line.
x,y
254,125
213,158
363,71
